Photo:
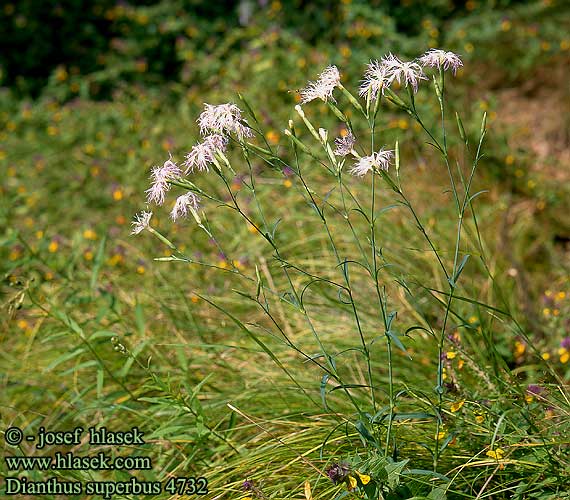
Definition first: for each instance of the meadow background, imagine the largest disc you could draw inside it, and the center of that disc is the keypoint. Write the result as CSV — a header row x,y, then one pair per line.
x,y
94,331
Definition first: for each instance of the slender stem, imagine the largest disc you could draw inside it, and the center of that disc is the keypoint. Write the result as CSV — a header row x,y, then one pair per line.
x,y
298,300
346,279
374,276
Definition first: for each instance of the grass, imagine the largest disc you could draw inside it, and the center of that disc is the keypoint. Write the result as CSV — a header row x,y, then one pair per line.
x,y
104,335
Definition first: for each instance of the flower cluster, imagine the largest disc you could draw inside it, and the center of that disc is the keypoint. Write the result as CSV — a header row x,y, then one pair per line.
x,y
219,122
216,123
341,473
381,74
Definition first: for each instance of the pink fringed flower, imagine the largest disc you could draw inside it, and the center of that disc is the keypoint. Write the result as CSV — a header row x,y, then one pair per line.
x,y
160,177
203,153
323,88
223,119
408,73
379,160
436,58
183,204
141,222
376,79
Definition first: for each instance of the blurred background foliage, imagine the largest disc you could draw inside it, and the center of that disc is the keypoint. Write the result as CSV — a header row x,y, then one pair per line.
x,y
72,47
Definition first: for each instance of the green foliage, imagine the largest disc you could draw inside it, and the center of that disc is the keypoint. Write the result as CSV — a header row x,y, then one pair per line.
x,y
78,51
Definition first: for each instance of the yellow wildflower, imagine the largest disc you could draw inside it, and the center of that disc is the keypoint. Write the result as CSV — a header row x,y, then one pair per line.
x,y
364,478
520,348
457,406
272,137
352,483
496,454
89,234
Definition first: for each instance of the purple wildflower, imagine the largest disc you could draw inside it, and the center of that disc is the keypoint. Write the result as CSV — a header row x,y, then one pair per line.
x,y
344,145
247,485
534,389
288,171
565,343
338,472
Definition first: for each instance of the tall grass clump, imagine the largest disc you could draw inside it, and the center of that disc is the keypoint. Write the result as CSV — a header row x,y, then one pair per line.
x,y
385,321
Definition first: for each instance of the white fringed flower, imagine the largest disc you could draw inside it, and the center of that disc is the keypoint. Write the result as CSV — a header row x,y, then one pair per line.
x,y
160,177
323,88
183,204
436,58
223,119
379,160
344,145
376,79
408,73
203,153
141,222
